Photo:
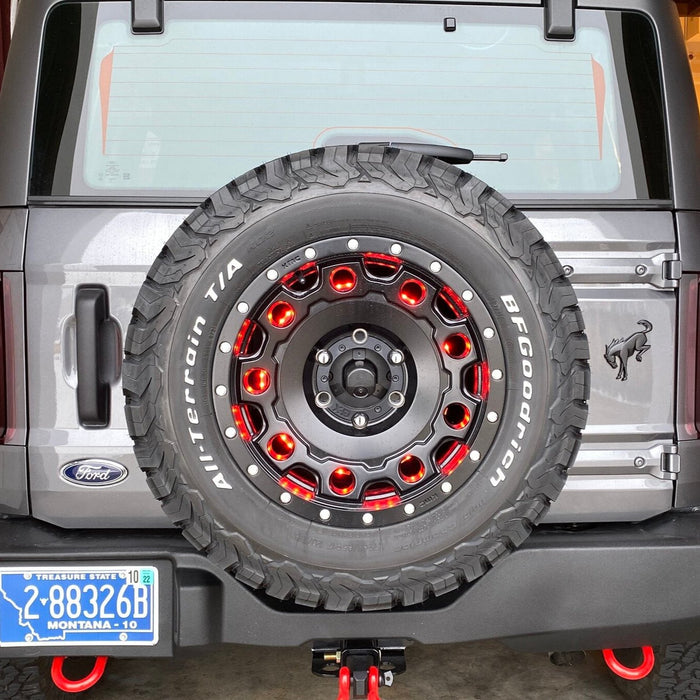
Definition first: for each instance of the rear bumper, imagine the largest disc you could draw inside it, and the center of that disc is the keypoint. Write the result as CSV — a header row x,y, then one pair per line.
x,y
608,586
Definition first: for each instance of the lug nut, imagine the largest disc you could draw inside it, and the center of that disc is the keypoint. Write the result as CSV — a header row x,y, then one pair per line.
x,y
323,357
323,399
397,399
359,420
396,357
359,336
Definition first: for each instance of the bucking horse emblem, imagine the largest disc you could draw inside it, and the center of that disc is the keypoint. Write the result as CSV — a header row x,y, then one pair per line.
x,y
621,350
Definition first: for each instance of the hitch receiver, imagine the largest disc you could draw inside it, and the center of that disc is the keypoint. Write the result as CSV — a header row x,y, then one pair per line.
x,y
361,665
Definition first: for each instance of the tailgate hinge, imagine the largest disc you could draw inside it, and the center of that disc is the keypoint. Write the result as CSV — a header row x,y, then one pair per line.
x,y
673,268
670,462
560,20
147,16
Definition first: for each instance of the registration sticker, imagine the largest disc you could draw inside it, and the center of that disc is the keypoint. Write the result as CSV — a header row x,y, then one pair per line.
x,y
78,606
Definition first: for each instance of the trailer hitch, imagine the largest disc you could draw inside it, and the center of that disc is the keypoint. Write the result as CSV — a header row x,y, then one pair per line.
x,y
361,666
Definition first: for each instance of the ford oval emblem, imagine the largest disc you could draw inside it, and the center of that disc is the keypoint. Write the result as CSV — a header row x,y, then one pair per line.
x,y
94,473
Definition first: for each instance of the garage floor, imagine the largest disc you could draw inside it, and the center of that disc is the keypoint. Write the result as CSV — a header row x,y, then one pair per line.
x,y
483,671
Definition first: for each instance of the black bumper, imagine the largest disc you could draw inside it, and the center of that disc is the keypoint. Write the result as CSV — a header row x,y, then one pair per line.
x,y
608,586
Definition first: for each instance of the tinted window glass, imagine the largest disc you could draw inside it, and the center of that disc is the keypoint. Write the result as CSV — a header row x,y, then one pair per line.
x,y
186,111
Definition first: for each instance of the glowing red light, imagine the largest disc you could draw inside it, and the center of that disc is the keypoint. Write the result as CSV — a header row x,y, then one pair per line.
x,y
380,496
342,481
481,380
382,503
450,455
249,340
381,265
412,292
297,490
411,469
281,314
240,338
343,279
280,447
256,381
450,305
302,279
457,346
457,416
300,482
242,419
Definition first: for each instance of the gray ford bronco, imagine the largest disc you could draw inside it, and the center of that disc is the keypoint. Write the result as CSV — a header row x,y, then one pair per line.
x,y
307,283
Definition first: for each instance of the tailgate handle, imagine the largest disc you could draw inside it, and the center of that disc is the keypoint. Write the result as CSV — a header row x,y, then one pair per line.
x,y
97,358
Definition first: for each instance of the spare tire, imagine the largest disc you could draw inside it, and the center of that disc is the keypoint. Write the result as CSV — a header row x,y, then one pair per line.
x,y
355,377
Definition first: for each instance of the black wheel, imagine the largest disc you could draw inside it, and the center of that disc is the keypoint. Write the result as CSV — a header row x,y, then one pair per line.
x,y
356,377
676,673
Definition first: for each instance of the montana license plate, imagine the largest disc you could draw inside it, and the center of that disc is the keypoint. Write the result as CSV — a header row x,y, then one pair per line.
x,y
78,606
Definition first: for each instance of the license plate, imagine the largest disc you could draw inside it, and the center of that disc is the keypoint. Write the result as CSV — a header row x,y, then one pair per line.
x,y
78,606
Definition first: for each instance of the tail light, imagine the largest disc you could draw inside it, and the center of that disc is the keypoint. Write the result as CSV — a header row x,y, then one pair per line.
x,y
5,24
3,368
692,338
12,416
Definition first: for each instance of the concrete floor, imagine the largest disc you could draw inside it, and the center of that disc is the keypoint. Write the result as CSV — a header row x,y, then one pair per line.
x,y
476,671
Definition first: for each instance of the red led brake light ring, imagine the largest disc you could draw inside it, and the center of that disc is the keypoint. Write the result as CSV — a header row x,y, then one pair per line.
x,y
411,469
281,314
457,346
256,381
630,674
69,686
342,481
412,292
454,303
343,279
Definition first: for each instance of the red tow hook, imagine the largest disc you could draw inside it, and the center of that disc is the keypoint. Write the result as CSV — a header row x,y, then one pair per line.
x,y
630,674
345,684
373,684
69,686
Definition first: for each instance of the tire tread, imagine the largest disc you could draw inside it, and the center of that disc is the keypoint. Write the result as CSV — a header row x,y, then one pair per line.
x,y
676,675
397,171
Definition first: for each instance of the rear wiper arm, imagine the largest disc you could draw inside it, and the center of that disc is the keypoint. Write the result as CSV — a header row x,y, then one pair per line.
x,y
450,154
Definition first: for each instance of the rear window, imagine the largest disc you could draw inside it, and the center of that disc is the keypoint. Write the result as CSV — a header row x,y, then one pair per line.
x,y
228,86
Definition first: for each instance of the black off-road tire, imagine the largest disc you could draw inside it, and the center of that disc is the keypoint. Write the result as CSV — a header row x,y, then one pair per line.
x,y
28,679
223,269
676,674
20,678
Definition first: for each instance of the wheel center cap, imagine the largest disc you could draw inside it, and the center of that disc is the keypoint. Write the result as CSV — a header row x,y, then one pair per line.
x,y
360,378
355,383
